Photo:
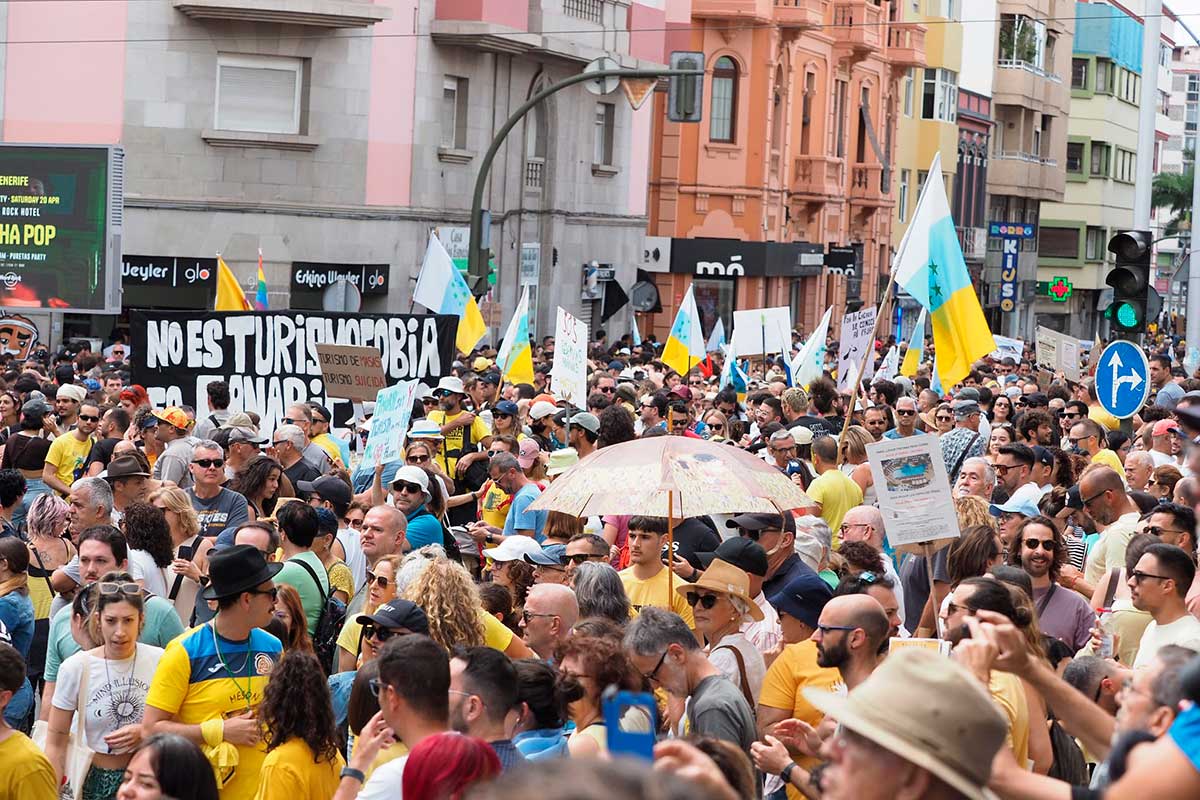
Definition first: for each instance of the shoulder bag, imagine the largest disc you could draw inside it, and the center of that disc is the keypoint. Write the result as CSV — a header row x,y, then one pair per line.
x,y
742,679
77,760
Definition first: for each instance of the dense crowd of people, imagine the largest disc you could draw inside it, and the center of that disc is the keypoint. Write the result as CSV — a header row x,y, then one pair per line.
x,y
199,603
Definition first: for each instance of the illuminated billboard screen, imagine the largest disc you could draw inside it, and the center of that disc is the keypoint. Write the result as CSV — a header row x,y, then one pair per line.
x,y
58,240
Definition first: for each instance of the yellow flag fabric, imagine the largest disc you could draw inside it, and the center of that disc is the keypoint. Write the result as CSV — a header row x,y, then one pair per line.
x,y
916,346
230,296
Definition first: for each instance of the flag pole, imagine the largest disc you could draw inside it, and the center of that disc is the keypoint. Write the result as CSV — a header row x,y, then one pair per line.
x,y
884,310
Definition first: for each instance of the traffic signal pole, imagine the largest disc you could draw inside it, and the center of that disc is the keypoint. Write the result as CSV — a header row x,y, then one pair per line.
x,y
477,264
1151,43
1192,328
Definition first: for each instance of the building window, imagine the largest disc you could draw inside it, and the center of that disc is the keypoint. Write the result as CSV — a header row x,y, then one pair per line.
x,y
1126,165
1079,73
1104,76
1129,86
902,198
602,137
939,99
1094,245
922,174
1099,160
261,94
454,112
724,100
1164,102
840,89
1058,242
909,80
1193,88
1075,158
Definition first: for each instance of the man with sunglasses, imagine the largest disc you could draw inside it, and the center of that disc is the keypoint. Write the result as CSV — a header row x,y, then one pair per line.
x,y
584,547
172,431
463,430
551,611
219,510
210,681
1159,585
319,432
1104,497
1061,613
69,451
906,419
1013,465
244,445
850,635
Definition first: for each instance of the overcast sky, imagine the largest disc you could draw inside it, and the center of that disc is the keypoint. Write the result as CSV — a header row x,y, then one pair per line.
x,y
1189,14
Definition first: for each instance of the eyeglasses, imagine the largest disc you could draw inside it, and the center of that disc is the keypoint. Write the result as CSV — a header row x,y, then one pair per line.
x,y
1069,415
89,418
1005,516
127,589
408,488
606,389
419,459
1048,545
906,412
941,418
706,601
207,463
320,421
953,608
717,426
824,629
1139,576
273,592
1002,469
1155,530
650,676
1152,482
551,567
352,523
376,685
279,442
501,415
496,452
1087,501
868,577
845,526
428,401
379,579
1075,442
380,633
528,615
288,421
581,558
790,449
1020,403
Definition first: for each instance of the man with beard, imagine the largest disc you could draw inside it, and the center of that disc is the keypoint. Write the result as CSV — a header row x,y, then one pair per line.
x,y
483,689
464,431
1039,548
849,636
69,451
1103,496
1037,427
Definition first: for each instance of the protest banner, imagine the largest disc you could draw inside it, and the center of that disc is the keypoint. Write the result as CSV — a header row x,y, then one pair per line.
x,y
857,342
914,491
568,375
351,373
1058,352
389,425
763,327
269,358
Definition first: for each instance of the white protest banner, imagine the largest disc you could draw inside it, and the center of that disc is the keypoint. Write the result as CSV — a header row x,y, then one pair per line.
x,y
568,376
351,373
857,341
762,326
913,491
1007,347
389,424
1058,352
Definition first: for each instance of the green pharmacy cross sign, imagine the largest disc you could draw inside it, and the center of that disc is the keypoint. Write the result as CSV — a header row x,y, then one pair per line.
x,y
1059,289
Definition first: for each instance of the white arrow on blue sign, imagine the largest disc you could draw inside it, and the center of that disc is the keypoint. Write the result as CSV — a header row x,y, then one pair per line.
x,y
1122,379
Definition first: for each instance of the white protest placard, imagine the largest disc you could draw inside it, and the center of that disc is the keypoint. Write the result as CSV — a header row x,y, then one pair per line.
x,y
350,372
913,490
389,424
856,342
1058,352
1007,347
755,328
568,375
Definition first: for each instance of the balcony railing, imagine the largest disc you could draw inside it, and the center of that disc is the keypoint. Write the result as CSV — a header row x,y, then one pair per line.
x,y
1029,158
906,44
800,13
590,10
866,184
973,242
535,169
818,178
856,24
1010,63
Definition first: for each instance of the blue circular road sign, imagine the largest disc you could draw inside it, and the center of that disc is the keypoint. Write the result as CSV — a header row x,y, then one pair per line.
x,y
1122,379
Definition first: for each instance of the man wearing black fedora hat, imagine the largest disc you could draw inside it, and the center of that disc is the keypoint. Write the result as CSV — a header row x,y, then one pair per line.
x,y
210,680
128,481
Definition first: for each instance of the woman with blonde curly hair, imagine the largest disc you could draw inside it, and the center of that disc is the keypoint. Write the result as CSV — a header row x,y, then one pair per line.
x,y
973,511
191,549
450,599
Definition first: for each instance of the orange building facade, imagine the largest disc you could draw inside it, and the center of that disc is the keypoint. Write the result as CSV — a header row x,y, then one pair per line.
x,y
791,160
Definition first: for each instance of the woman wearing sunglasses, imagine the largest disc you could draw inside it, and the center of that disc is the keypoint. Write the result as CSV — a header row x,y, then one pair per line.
x,y
107,685
721,603
717,425
506,420
381,589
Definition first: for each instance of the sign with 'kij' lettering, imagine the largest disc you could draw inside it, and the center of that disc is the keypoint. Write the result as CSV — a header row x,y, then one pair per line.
x,y
269,358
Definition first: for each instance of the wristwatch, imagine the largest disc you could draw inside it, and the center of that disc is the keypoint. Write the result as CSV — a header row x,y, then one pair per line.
x,y
356,774
785,774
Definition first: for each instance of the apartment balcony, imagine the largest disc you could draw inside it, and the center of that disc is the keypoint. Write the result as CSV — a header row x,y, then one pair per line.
x,y
1020,83
313,13
866,186
739,10
973,242
857,27
800,15
1026,175
818,179
906,44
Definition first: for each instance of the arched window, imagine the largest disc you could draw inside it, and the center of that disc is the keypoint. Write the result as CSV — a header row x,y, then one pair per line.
x,y
723,120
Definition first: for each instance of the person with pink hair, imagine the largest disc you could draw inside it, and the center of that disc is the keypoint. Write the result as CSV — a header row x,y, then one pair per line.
x,y
446,765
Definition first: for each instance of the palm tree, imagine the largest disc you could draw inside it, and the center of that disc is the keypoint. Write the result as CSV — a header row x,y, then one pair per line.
x,y
1173,190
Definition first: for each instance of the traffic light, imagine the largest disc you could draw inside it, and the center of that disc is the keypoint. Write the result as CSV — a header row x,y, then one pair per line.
x,y
1135,302
685,93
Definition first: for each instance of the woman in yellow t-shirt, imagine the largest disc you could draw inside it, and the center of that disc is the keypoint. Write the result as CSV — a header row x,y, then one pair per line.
x,y
381,588
299,731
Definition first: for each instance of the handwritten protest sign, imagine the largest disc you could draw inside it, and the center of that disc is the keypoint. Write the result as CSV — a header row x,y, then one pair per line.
x,y
568,376
389,425
857,342
351,373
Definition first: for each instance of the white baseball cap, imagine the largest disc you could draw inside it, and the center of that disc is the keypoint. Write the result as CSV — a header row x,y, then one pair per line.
x,y
514,548
542,409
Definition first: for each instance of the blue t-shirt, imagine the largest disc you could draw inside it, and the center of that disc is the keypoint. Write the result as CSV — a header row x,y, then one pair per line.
x,y
16,616
520,518
423,528
1185,732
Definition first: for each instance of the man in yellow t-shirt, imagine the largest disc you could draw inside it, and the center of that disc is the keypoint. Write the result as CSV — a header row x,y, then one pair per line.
x,y
25,772
833,491
211,679
463,430
799,604
646,579
69,451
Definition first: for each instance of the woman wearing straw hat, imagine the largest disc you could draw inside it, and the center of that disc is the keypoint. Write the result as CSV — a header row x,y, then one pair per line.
x,y
720,600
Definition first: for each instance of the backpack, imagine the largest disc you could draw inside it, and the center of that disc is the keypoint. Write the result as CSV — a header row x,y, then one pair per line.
x,y
329,623
1069,764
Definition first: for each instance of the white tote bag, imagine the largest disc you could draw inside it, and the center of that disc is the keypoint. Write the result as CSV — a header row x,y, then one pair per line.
x,y
78,758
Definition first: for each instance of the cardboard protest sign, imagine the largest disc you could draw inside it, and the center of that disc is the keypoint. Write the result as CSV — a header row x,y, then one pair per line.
x,y
351,373
914,491
856,342
568,375
1058,352
389,425
762,326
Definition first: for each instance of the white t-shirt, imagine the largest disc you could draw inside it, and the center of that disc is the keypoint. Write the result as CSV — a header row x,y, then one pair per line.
x,y
1163,459
116,691
386,782
1184,631
356,560
155,577
726,661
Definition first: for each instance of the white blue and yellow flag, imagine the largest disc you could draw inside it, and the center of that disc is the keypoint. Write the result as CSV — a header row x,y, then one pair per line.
x,y
716,339
930,266
515,358
633,330
809,363
916,347
442,289
685,346
732,374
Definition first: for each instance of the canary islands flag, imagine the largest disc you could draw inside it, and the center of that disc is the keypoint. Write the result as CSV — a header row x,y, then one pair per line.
x,y
230,296
916,346
514,358
442,289
685,346
732,374
930,266
809,363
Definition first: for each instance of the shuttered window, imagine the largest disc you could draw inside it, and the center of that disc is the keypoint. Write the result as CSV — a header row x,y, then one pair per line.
x,y
261,94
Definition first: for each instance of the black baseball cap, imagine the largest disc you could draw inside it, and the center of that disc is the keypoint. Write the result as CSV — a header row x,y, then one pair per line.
x,y
745,554
398,613
330,488
762,522
1042,456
